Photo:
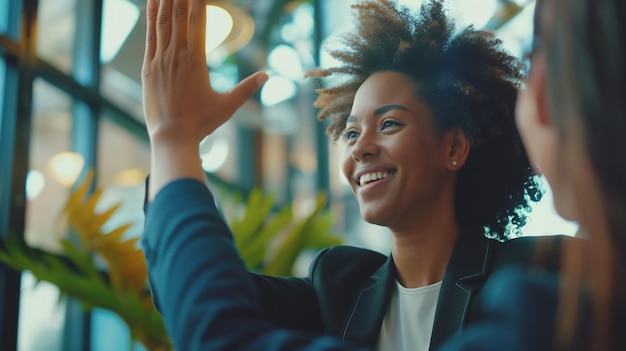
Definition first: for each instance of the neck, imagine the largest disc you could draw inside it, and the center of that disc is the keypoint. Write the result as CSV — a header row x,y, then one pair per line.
x,y
421,256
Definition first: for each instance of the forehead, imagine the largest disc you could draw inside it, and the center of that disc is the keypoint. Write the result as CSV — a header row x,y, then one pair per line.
x,y
384,88
387,88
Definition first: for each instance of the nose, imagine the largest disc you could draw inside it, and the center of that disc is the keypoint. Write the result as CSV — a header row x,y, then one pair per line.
x,y
365,146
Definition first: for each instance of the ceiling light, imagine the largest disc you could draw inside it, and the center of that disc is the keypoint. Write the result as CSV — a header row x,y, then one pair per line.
x,y
229,28
119,17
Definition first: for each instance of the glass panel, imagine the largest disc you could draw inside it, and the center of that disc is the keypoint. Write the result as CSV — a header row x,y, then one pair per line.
x,y
41,315
4,17
123,164
123,41
2,87
55,43
109,332
53,167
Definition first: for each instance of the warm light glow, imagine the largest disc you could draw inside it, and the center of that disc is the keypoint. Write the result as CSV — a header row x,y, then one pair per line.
x,y
66,167
130,177
219,24
229,28
119,17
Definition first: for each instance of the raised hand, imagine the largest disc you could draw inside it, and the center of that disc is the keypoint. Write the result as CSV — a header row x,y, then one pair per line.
x,y
179,102
180,106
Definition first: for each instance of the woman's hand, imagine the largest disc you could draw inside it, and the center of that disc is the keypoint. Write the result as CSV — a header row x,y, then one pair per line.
x,y
179,103
180,106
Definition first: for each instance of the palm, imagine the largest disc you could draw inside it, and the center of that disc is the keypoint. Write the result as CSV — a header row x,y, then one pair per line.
x,y
178,95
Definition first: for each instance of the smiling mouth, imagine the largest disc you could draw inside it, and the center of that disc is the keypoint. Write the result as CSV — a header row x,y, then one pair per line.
x,y
368,178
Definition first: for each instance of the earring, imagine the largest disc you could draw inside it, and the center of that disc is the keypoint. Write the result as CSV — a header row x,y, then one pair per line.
x,y
454,163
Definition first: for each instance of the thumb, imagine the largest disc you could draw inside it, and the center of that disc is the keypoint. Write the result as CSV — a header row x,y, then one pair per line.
x,y
245,89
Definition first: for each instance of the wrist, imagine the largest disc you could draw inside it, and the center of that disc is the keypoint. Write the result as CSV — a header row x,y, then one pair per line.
x,y
173,136
171,159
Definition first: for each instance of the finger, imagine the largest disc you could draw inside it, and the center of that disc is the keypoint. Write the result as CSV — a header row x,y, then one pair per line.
x,y
151,14
244,90
164,25
180,16
197,28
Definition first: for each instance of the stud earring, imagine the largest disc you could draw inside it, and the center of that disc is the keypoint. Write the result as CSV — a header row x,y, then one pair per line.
x,y
454,163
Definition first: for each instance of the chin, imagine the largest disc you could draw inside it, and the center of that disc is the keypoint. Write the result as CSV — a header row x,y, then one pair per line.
x,y
373,217
565,209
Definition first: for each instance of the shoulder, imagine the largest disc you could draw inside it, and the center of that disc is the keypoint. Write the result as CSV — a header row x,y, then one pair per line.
x,y
544,251
346,266
518,312
347,259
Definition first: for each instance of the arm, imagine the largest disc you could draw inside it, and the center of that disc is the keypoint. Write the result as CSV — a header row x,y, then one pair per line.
x,y
205,294
287,302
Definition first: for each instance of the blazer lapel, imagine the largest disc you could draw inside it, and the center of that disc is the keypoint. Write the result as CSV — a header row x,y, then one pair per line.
x,y
364,320
468,263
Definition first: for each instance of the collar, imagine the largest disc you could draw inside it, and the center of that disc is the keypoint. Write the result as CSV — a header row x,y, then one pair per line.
x,y
468,264
363,323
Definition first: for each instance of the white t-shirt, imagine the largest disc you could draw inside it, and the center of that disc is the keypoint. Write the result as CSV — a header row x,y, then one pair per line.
x,y
409,320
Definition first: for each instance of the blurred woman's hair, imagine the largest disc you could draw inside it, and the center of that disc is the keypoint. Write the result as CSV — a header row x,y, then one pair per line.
x,y
585,44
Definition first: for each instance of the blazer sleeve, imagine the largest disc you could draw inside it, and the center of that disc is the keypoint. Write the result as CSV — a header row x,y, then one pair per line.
x,y
288,302
207,298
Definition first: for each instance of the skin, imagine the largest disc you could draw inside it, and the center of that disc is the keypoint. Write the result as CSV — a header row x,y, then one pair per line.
x,y
181,107
392,132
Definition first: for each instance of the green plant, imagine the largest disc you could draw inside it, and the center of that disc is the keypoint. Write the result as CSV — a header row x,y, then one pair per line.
x,y
269,242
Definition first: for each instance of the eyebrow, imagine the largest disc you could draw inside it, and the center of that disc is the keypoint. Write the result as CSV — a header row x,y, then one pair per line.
x,y
379,111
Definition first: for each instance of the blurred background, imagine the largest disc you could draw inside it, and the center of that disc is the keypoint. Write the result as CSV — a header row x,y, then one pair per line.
x,y
70,99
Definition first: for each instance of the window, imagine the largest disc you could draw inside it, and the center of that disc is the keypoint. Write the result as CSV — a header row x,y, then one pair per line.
x,y
52,170
57,31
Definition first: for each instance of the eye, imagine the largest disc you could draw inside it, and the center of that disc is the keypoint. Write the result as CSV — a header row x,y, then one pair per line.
x,y
389,123
350,134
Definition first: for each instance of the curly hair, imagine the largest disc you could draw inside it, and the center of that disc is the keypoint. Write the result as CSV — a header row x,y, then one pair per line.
x,y
469,82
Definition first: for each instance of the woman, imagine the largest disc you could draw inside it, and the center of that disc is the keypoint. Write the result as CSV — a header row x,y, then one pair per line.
x,y
572,116
431,152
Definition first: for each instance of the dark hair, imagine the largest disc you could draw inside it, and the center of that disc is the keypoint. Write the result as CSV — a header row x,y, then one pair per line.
x,y
467,79
586,58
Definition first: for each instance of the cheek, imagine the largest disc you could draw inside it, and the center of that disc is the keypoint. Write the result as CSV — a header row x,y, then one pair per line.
x,y
585,189
529,129
565,181
347,165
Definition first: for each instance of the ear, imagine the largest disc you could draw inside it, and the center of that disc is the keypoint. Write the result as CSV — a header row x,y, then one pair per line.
x,y
457,149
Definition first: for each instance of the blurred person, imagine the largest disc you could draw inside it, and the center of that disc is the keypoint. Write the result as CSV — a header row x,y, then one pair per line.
x,y
572,117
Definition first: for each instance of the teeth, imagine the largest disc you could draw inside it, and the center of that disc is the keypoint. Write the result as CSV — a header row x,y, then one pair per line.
x,y
370,177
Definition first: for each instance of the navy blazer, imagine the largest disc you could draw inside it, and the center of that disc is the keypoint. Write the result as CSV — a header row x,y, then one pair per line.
x,y
348,289
210,302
